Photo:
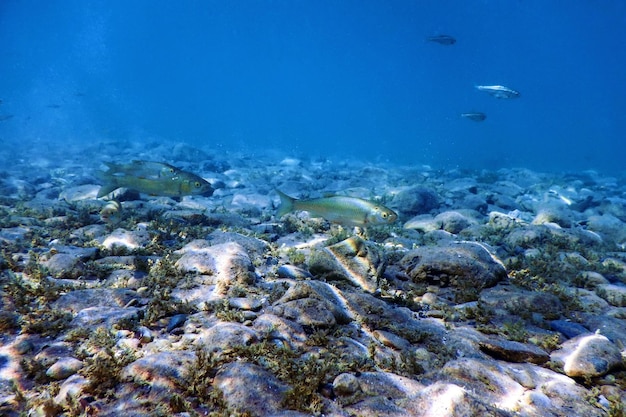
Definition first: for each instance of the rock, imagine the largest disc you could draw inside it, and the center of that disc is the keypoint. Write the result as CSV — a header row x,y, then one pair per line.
x,y
345,384
76,300
223,337
613,328
567,328
125,239
513,351
245,303
587,356
307,312
613,294
449,399
354,259
228,261
249,388
515,300
163,371
281,329
70,390
94,317
466,266
415,200
63,265
292,272
453,221
254,247
391,340
64,368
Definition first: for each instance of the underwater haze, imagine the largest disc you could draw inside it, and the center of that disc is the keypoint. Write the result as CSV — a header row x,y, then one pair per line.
x,y
346,79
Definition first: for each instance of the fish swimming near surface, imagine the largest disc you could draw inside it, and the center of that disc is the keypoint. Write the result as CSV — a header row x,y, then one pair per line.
x,y
346,211
475,116
5,117
153,178
499,91
442,39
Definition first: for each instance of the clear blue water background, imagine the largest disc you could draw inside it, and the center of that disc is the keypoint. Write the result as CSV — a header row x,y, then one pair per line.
x,y
348,79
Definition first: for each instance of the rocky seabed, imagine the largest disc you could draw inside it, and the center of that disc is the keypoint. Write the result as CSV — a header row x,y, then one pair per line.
x,y
498,293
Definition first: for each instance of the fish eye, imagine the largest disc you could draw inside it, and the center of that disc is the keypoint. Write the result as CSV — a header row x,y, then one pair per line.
x,y
197,184
384,215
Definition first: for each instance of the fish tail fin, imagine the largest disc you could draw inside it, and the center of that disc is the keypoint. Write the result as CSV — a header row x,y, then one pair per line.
x,y
286,204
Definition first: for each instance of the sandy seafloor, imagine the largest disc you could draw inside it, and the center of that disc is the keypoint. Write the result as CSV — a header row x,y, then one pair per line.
x,y
496,293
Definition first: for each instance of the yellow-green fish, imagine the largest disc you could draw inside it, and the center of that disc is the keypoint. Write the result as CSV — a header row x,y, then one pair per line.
x,y
347,211
154,178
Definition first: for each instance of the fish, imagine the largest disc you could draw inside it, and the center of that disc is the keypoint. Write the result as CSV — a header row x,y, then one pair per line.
x,y
111,213
475,116
442,39
153,178
499,91
5,117
346,211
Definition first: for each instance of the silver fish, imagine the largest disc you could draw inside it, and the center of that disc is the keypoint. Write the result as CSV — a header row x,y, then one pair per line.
x,y
475,116
442,39
347,211
499,91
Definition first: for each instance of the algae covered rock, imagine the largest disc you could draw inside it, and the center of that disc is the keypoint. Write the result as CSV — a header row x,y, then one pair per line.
x,y
465,266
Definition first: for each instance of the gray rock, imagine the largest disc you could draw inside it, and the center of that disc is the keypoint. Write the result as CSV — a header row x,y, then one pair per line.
x,y
354,259
454,221
613,294
587,355
249,388
129,239
64,368
94,317
515,300
513,351
292,272
228,261
256,248
307,312
345,384
416,200
223,337
461,265
281,329
71,389
163,371
76,300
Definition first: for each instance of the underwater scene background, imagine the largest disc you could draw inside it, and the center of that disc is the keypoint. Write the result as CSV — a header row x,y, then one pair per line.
x,y
348,79
312,208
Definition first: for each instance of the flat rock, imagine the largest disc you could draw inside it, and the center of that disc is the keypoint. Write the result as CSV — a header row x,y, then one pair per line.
x,y
513,351
129,239
162,370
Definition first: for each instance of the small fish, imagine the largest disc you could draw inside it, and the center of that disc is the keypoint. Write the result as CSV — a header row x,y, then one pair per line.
x,y
5,117
442,39
111,213
499,91
347,211
153,178
475,116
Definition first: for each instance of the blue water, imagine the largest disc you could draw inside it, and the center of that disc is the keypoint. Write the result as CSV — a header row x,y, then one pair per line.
x,y
344,79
